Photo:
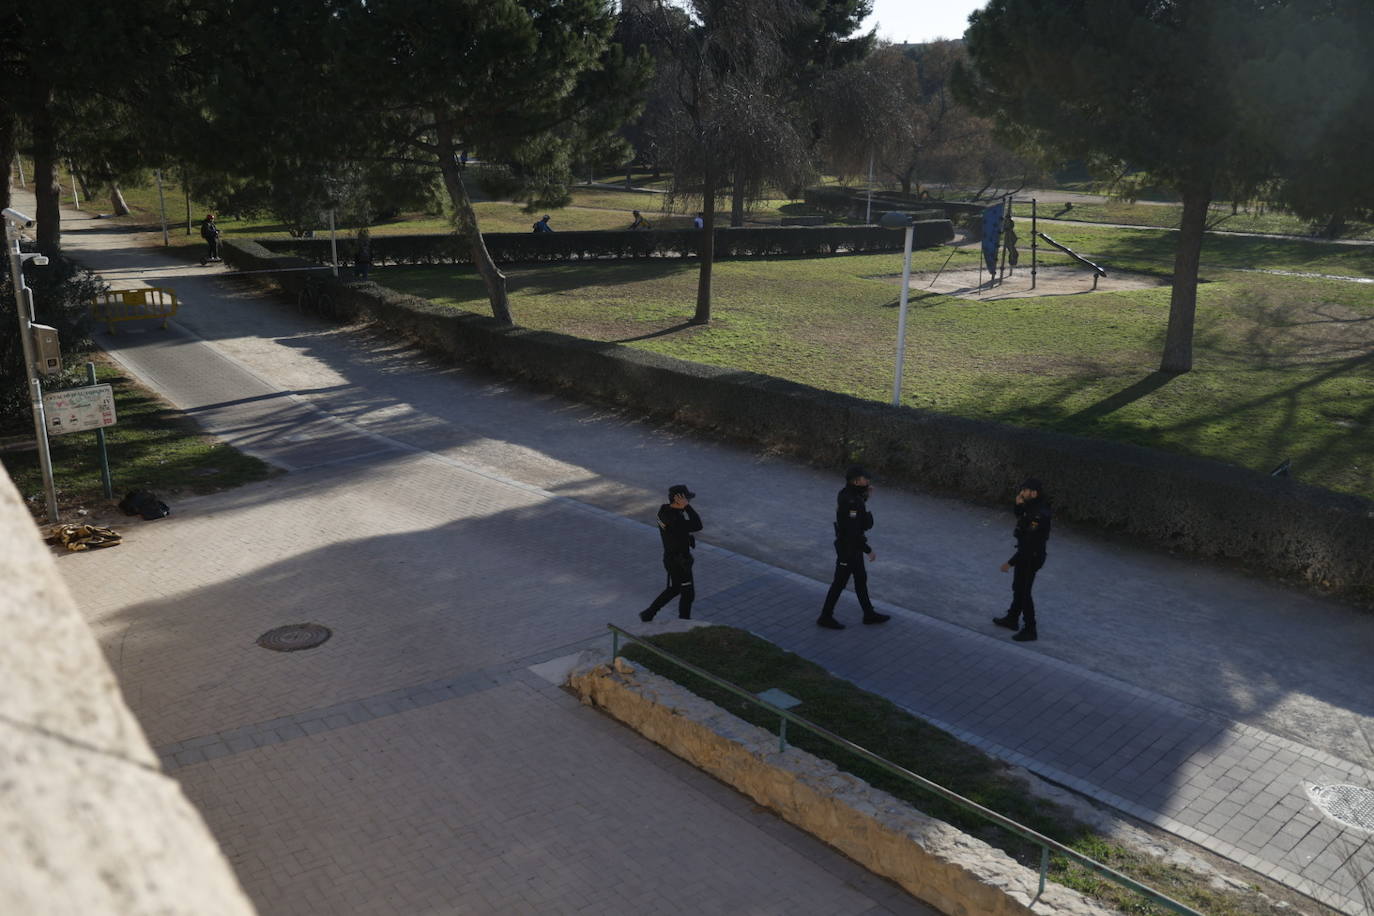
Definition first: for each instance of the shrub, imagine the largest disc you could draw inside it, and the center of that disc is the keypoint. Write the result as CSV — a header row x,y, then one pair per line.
x,y
531,247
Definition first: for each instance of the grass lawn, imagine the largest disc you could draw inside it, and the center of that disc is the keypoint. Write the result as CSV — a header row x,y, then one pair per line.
x,y
152,446
591,208
1169,215
885,729
1284,365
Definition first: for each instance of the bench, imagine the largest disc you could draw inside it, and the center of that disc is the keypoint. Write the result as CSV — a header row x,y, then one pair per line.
x,y
133,305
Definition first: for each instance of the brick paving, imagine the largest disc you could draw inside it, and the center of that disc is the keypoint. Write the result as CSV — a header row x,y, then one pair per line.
x,y
453,531
1232,788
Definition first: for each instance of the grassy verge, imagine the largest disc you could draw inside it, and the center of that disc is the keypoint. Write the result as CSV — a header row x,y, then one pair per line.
x,y
153,446
1168,216
883,728
591,208
1284,365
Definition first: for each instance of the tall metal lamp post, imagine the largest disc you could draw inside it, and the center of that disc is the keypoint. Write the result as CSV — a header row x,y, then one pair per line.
x,y
15,222
896,220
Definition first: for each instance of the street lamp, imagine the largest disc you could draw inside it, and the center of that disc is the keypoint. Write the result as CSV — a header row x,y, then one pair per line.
x,y
896,220
15,223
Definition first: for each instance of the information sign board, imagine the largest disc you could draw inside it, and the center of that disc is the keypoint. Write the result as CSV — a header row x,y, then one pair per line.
x,y
79,409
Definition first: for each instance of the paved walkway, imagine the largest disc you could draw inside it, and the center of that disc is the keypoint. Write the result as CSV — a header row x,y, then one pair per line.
x,y
449,526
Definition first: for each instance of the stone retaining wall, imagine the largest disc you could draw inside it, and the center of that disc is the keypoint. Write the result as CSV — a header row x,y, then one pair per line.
x,y
952,871
88,823
1276,526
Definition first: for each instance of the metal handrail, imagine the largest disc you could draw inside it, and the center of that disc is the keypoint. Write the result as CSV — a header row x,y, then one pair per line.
x,y
1045,843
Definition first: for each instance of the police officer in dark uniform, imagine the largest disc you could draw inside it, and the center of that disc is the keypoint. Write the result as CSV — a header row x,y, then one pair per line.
x,y
1032,534
852,521
677,521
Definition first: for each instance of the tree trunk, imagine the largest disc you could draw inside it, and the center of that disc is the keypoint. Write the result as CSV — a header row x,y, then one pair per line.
x,y
7,151
708,248
466,218
46,188
737,201
117,203
186,193
905,179
1335,226
1178,341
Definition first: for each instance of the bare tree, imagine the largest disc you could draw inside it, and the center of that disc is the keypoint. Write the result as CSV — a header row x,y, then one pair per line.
x,y
725,123
896,107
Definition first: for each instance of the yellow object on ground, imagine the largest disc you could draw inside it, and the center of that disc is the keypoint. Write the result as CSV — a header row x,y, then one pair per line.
x,y
134,304
82,537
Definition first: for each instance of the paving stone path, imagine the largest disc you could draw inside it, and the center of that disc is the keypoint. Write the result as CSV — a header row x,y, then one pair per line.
x,y
454,531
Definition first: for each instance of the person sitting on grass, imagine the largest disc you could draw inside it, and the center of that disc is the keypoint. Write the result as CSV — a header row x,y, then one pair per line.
x,y
639,222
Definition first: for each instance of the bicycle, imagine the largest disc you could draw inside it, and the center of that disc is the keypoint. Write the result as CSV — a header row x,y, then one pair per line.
x,y
314,297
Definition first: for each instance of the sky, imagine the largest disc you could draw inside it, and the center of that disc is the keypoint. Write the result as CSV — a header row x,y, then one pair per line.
x,y
921,20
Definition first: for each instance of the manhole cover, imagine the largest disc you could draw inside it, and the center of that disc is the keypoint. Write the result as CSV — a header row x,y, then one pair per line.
x,y
295,637
1351,805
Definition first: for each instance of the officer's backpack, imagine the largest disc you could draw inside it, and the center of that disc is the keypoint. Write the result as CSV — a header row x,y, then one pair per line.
x,y
144,503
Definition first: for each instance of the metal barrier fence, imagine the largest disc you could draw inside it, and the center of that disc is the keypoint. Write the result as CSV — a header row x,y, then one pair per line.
x,y
1046,844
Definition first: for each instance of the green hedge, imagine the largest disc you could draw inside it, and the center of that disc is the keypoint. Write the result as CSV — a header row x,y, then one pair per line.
x,y
1193,505
855,203
533,247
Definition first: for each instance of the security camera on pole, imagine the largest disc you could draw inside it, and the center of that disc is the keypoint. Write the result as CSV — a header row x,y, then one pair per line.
x,y
15,222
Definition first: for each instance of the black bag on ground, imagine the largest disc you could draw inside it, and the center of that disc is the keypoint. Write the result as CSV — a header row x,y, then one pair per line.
x,y
144,503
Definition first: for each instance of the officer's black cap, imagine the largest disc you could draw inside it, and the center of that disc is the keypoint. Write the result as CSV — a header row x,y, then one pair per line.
x,y
855,472
681,488
1032,483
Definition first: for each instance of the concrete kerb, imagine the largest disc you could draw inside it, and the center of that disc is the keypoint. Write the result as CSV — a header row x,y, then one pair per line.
x,y
954,872
1200,507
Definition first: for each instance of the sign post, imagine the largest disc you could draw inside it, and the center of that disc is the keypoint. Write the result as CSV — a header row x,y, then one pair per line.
x,y
105,482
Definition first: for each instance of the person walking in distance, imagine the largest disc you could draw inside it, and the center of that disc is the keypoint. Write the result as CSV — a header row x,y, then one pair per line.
x,y
1032,534
210,232
852,522
677,521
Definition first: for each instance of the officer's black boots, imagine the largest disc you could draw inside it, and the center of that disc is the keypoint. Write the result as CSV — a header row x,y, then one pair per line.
x,y
1008,621
1027,634
647,615
875,617
830,623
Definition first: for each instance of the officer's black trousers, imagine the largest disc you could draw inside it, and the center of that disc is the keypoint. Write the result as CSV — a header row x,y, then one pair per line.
x,y
1022,578
845,567
679,567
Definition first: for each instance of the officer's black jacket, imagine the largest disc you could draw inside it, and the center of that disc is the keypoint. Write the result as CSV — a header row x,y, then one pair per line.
x,y
1032,531
852,519
675,527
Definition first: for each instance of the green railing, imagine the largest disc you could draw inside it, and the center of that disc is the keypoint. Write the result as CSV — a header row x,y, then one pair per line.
x,y
1046,844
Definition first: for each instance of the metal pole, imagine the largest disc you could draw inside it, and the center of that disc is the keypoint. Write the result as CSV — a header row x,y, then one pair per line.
x,y
901,318
1001,241
19,164
105,482
333,244
76,198
23,298
868,213
162,208
1035,250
